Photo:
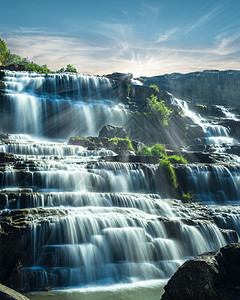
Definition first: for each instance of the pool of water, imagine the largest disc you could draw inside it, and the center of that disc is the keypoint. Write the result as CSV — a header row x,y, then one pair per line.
x,y
151,290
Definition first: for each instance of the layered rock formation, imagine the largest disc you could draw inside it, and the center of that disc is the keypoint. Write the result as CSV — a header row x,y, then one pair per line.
x,y
210,87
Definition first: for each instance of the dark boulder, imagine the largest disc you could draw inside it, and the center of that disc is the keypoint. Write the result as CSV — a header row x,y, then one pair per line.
x,y
210,276
123,77
110,131
13,67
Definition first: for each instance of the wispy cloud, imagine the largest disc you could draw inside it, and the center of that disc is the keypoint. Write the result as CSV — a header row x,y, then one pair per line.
x,y
167,35
227,43
204,19
150,8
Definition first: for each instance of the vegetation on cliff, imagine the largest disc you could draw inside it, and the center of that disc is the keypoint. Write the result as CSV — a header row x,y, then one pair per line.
x,y
159,109
166,164
157,150
7,58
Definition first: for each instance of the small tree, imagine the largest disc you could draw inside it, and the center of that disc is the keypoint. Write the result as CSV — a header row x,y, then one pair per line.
x,y
71,68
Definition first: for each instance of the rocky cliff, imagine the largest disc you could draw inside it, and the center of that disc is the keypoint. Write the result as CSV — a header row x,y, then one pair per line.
x,y
211,86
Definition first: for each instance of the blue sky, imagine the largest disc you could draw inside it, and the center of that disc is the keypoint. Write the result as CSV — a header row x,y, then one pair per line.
x,y
143,37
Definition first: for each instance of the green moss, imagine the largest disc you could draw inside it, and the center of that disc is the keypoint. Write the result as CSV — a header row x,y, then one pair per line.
x,y
202,106
175,159
124,143
187,197
158,150
128,91
170,173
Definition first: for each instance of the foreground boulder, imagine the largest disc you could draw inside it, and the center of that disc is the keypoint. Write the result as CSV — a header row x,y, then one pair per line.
x,y
210,276
8,294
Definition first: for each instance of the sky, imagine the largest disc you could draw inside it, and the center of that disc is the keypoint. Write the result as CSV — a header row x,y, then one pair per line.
x,y
146,38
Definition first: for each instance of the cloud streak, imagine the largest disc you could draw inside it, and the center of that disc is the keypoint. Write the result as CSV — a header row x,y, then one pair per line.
x,y
205,19
169,34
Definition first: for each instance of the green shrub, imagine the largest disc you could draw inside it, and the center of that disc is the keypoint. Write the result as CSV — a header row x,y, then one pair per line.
x,y
124,143
158,150
69,68
170,173
159,109
175,159
144,151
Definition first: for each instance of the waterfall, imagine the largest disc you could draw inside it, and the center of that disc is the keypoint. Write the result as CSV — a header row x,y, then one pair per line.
x,y
214,183
227,113
87,222
216,134
59,106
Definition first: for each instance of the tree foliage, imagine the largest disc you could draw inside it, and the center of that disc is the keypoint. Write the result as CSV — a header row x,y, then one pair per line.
x,y
69,68
6,57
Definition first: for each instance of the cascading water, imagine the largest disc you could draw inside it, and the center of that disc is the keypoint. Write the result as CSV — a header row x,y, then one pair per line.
x,y
219,183
227,113
216,134
92,223
59,106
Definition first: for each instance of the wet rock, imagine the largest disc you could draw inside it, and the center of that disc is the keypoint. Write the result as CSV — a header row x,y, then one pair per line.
x,y
110,131
210,276
123,77
6,157
94,143
233,125
79,141
4,136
